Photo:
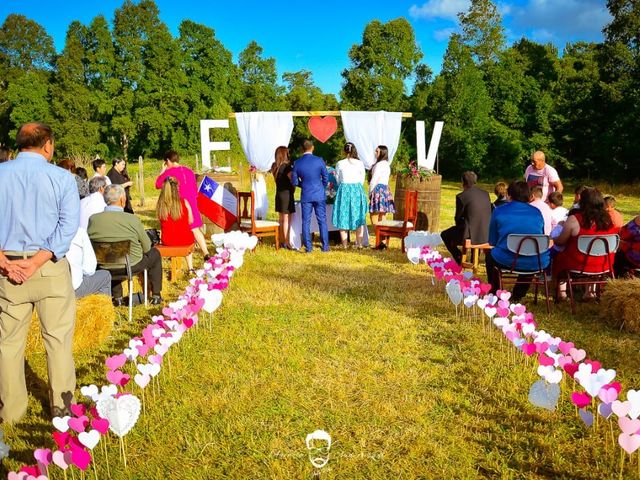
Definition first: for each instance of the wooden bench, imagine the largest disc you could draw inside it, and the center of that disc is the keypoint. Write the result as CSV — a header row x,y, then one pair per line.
x,y
175,254
475,254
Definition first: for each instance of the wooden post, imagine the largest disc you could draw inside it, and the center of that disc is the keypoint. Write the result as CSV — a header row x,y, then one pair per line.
x,y
197,169
141,180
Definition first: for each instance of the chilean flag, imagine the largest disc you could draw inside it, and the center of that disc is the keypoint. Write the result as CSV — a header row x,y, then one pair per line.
x,y
217,203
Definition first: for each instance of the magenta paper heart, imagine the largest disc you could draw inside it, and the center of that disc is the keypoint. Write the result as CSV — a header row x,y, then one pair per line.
x,y
322,128
79,424
529,349
118,378
621,409
542,347
43,455
31,470
116,361
596,365
628,425
577,355
580,399
565,347
503,312
142,349
615,385
629,443
608,395
571,369
80,458
485,288
61,438
100,424
78,409
546,361
188,322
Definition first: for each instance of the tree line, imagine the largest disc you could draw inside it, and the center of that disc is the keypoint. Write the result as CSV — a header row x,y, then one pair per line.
x,y
131,88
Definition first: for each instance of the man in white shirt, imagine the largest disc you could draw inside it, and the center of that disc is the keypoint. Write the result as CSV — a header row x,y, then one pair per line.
x,y
100,167
94,202
545,210
85,278
542,175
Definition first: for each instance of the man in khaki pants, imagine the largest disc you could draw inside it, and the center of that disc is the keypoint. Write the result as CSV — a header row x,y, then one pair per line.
x,y
39,216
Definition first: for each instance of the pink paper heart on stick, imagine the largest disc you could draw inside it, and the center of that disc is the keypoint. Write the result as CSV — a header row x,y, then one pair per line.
x,y
78,409
100,424
80,458
322,128
620,408
61,438
43,456
79,424
629,426
545,361
608,395
116,361
580,399
61,459
577,355
529,349
17,476
629,443
565,347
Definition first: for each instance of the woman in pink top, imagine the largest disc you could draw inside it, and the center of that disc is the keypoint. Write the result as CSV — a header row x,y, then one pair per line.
x,y
188,189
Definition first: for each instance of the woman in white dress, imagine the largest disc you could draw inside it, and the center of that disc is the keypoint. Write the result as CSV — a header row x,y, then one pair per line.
x,y
350,208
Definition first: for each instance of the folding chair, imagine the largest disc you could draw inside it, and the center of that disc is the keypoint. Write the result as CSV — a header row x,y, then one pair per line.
x,y
591,246
247,219
526,245
114,256
399,228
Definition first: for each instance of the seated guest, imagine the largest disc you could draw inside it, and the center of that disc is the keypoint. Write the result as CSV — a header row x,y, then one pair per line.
x,y
94,202
545,210
501,194
85,278
610,207
100,169
628,255
558,212
115,225
5,154
175,218
515,217
83,187
576,198
590,219
473,211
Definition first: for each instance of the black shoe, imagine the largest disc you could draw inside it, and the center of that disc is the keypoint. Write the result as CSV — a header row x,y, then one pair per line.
x,y
381,246
156,300
207,257
120,301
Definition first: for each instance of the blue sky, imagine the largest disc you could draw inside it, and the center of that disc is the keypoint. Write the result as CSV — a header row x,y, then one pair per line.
x,y
316,36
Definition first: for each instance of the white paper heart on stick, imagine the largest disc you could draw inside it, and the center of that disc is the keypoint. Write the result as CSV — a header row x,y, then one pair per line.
x,y
454,292
90,391
212,299
61,423
122,412
413,254
89,439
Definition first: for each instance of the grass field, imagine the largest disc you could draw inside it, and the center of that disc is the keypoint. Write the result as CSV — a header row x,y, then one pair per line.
x,y
362,345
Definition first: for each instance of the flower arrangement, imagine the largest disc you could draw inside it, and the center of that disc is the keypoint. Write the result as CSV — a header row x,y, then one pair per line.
x,y
413,170
252,169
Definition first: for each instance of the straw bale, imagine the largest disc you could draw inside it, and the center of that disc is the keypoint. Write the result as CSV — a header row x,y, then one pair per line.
x,y
95,316
620,304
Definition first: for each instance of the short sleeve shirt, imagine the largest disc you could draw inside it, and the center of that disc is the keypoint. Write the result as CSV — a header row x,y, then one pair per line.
x,y
542,178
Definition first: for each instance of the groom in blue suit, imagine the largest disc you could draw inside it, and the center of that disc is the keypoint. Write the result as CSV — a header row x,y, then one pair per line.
x,y
310,174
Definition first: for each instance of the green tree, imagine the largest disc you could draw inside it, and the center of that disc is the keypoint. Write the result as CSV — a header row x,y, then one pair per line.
x,y
260,89
380,66
482,30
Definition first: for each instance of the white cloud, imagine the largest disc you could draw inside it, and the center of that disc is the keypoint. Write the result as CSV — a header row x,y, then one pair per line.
x,y
444,9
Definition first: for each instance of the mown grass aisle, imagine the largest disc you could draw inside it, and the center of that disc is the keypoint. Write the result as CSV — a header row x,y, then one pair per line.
x,y
359,344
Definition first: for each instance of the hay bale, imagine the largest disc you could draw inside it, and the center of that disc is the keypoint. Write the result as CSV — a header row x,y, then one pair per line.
x,y
95,315
620,304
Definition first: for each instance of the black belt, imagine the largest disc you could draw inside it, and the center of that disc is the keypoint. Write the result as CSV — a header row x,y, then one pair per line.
x,y
24,256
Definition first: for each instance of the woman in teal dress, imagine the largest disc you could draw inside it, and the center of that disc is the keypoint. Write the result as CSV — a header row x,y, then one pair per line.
x,y
351,206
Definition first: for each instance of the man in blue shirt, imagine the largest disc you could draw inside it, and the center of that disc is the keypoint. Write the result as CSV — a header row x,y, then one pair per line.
x,y
517,217
38,219
310,173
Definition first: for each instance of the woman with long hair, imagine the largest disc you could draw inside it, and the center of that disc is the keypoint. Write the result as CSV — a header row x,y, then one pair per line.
x,y
350,208
175,218
591,219
380,198
281,171
70,165
119,176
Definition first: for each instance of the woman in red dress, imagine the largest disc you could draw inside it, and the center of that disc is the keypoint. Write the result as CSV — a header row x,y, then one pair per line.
x,y
175,218
590,219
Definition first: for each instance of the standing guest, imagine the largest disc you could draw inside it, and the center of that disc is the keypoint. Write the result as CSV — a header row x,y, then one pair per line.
x,y
188,191
39,218
86,280
119,176
380,198
175,218
350,209
514,217
610,207
116,225
473,211
545,210
501,194
281,171
310,173
5,154
628,255
82,185
94,202
591,219
539,173
100,169
558,212
82,173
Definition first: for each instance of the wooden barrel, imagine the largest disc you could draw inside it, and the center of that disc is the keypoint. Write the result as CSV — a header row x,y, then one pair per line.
x,y
428,200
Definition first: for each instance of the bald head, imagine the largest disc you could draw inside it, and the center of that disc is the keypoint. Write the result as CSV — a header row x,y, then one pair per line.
x,y
36,137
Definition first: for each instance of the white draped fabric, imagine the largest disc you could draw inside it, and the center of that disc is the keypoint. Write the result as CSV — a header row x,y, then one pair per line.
x,y
260,134
367,130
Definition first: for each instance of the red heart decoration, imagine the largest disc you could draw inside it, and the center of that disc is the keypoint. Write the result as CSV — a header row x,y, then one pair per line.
x,y
323,127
